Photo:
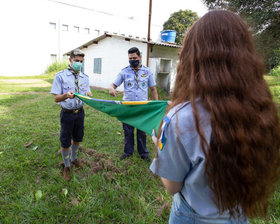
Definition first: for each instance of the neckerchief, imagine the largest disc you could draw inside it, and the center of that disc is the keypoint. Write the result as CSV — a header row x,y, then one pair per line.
x,y
136,77
77,89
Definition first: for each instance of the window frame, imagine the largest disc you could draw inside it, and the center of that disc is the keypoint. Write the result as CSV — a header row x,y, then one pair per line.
x,y
97,66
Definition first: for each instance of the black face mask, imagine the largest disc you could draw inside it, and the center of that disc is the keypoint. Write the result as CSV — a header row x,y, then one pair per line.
x,y
134,63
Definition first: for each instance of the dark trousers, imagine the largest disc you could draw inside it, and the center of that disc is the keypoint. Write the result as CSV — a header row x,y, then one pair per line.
x,y
129,141
72,127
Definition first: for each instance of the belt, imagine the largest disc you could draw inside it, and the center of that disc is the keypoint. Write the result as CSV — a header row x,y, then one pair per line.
x,y
74,111
182,195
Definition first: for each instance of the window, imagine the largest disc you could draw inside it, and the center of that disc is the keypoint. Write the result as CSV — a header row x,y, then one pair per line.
x,y
53,26
53,57
64,27
76,29
97,62
97,32
86,31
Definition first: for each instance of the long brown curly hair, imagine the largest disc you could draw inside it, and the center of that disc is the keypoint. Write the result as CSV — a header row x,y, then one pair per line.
x,y
219,65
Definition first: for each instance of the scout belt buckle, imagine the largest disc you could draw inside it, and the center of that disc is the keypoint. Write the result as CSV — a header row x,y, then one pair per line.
x,y
75,111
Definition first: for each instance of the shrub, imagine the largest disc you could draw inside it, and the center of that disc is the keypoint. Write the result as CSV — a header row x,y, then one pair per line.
x,y
275,71
57,66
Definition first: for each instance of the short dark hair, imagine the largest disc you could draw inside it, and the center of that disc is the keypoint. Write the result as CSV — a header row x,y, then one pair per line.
x,y
77,52
134,50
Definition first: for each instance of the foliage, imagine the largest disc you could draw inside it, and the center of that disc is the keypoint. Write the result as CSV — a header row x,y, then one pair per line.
x,y
57,66
180,21
263,18
275,71
162,94
274,84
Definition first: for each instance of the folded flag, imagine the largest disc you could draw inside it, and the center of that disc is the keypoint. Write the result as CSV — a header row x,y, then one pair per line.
x,y
143,115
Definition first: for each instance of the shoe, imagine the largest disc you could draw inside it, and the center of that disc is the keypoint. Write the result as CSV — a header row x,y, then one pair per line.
x,y
77,163
124,156
146,158
66,173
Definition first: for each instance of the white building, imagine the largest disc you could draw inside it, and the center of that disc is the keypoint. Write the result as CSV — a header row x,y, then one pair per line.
x,y
36,32
106,55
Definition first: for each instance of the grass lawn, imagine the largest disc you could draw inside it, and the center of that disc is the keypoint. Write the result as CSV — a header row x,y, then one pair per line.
x,y
106,190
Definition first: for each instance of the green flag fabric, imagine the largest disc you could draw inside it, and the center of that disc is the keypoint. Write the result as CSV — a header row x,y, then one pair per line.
x,y
143,115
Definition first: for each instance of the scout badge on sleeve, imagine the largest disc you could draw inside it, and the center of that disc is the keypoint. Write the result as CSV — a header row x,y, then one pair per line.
x,y
162,138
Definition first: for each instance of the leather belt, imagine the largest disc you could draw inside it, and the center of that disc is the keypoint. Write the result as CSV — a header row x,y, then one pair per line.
x,y
74,111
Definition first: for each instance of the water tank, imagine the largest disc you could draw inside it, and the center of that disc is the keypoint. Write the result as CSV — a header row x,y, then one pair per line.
x,y
168,36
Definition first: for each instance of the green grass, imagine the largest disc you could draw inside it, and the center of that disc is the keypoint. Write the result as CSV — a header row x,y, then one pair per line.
x,y
120,192
274,84
107,190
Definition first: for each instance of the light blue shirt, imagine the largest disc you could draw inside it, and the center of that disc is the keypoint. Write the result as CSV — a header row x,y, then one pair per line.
x,y
132,90
64,81
181,158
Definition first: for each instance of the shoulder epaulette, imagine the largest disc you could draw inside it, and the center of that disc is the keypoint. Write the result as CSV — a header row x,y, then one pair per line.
x,y
84,74
125,67
177,108
58,73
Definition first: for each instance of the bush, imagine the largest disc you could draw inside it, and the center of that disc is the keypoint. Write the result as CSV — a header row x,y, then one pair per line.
x,y
57,66
275,71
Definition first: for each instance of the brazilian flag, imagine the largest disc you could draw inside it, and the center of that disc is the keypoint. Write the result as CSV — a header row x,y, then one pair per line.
x,y
143,115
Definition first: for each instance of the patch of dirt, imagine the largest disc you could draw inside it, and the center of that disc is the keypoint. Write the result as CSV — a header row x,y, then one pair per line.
x,y
46,84
22,81
100,162
22,93
164,207
74,202
97,162
160,198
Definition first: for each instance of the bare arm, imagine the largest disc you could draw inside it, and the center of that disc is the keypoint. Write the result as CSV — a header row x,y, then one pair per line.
x,y
112,90
154,93
171,186
62,97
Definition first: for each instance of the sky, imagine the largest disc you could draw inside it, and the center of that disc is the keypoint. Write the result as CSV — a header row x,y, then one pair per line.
x,y
139,9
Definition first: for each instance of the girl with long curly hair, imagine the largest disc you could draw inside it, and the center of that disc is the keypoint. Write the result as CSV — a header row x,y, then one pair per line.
x,y
218,145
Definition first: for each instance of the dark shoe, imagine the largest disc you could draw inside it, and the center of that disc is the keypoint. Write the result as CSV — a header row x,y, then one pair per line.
x,y
66,173
146,158
77,163
124,156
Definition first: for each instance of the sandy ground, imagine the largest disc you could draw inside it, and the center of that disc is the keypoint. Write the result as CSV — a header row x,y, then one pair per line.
x,y
27,82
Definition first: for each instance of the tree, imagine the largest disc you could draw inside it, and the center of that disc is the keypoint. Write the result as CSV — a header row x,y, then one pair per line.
x,y
180,21
263,17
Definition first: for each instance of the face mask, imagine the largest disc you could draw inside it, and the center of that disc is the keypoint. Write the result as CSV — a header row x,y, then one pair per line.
x,y
134,63
77,66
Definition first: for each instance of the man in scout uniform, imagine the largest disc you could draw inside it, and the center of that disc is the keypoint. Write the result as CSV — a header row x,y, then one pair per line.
x,y
72,114
137,80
